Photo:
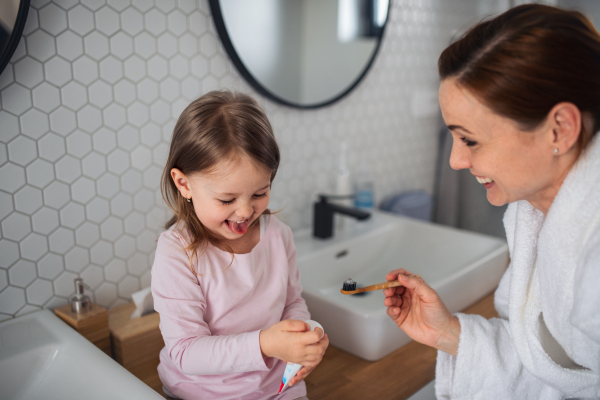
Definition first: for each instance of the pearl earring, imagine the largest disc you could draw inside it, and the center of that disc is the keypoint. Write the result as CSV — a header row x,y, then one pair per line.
x,y
189,200
555,150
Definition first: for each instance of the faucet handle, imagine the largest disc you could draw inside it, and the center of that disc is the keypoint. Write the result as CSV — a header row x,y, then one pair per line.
x,y
325,197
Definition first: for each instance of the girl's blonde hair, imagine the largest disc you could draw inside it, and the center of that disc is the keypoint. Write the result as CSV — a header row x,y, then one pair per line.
x,y
215,127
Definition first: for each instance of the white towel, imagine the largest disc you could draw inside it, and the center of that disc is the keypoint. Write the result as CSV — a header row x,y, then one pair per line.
x,y
546,343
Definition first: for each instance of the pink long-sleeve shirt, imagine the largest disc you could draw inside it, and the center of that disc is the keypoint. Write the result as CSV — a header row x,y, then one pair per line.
x,y
211,322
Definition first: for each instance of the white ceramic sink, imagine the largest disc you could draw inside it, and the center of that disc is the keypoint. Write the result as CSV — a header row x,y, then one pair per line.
x,y
41,357
461,266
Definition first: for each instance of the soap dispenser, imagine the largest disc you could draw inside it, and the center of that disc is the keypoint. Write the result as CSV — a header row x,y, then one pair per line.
x,y
87,318
343,189
80,303
343,180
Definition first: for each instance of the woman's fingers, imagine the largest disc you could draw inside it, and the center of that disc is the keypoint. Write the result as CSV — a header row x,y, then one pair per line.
x,y
392,301
419,287
393,275
393,311
394,292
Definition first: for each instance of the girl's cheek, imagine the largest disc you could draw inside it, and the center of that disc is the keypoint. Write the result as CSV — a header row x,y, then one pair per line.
x,y
262,203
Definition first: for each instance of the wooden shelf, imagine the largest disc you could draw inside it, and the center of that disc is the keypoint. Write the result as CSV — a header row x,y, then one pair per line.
x,y
397,376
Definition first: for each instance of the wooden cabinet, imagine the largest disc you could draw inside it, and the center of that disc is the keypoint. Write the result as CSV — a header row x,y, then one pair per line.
x,y
136,343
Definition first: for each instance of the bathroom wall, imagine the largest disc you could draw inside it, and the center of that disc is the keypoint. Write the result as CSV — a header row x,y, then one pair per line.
x,y
88,103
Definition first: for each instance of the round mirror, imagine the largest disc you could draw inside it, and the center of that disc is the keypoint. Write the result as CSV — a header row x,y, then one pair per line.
x,y
13,14
301,53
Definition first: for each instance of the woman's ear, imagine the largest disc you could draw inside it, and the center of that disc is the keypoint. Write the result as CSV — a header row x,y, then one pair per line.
x,y
566,123
182,183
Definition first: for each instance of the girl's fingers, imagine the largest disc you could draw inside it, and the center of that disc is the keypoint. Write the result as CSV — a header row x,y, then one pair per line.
x,y
312,337
318,348
303,373
294,325
319,331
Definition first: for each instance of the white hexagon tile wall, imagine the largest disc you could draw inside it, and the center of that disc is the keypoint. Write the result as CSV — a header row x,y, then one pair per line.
x,y
88,103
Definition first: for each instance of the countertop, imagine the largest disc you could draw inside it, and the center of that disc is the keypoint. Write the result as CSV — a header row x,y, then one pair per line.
x,y
397,376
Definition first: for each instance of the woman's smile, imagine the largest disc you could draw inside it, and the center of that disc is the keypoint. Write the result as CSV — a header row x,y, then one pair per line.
x,y
486,182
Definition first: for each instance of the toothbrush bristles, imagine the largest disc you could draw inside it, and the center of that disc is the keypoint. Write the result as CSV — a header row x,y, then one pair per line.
x,y
349,285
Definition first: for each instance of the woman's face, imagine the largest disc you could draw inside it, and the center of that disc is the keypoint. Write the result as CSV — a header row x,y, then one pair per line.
x,y
512,164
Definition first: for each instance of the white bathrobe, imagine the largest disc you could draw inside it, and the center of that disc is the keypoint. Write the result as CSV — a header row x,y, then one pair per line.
x,y
546,343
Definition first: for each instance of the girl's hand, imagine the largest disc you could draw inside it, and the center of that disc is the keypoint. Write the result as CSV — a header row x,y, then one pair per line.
x,y
418,310
293,341
304,371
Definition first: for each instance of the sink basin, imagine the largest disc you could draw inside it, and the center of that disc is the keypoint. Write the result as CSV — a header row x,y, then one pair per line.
x,y
461,266
41,357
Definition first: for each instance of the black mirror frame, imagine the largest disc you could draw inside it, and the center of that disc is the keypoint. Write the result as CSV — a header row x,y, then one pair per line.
x,y
217,15
15,35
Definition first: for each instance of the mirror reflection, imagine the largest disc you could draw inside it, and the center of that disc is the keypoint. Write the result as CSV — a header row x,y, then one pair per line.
x,y
302,52
8,18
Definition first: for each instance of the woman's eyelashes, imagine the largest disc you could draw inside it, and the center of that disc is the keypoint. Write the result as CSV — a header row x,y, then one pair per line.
x,y
256,196
468,142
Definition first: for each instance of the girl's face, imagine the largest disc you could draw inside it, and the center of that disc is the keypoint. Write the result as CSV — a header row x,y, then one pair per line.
x,y
511,164
228,198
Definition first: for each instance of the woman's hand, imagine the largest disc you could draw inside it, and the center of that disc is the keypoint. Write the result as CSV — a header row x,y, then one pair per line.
x,y
418,310
293,341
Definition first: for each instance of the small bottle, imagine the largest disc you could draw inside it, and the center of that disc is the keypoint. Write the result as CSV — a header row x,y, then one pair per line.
x,y
364,188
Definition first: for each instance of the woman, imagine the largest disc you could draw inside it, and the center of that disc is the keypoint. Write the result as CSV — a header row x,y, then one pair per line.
x,y
521,95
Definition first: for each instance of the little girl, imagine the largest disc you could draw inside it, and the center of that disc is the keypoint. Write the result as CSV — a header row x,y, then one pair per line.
x,y
224,279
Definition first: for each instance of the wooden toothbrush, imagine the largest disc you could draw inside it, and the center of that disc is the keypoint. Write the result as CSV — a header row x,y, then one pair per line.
x,y
350,287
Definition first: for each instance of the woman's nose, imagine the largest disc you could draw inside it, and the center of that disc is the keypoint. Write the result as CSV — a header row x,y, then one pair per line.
x,y
459,158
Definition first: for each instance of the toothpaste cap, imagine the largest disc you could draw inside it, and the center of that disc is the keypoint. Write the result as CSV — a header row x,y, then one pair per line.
x,y
315,324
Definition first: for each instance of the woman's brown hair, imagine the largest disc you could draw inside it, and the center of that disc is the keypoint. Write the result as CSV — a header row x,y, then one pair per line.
x,y
525,61
215,127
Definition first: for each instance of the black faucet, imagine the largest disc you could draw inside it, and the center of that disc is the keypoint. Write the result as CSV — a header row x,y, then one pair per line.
x,y
323,215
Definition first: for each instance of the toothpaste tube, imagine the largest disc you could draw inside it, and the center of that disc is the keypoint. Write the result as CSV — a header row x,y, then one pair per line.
x,y
292,369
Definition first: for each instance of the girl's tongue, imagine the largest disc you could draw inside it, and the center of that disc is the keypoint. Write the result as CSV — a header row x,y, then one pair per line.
x,y
238,227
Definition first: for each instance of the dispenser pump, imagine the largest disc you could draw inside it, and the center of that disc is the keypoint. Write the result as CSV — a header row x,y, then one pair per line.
x,y
80,303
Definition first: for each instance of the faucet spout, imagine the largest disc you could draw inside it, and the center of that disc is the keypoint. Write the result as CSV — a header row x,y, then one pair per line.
x,y
323,216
